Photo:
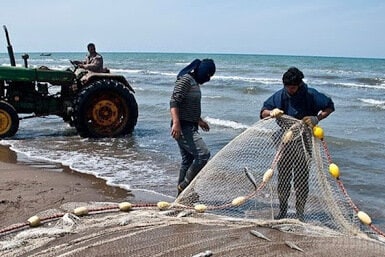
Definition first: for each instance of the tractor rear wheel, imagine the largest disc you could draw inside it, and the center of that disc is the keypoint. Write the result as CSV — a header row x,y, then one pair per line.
x,y
106,108
9,120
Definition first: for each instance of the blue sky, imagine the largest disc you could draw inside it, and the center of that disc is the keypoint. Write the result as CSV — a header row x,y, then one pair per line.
x,y
349,28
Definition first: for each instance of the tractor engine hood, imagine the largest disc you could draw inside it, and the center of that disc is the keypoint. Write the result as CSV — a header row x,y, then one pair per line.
x,y
33,74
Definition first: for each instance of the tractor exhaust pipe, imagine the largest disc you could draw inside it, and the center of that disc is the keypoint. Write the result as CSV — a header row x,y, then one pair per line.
x,y
9,47
25,58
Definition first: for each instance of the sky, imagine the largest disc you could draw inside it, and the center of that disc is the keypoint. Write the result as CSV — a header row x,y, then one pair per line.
x,y
340,28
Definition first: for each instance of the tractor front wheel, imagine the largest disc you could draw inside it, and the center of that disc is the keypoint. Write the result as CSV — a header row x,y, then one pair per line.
x,y
106,108
9,120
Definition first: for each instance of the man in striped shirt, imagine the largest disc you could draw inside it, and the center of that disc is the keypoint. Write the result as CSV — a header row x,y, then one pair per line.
x,y
185,109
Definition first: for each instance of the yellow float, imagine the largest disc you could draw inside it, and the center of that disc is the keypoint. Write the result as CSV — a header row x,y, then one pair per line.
x,y
318,132
125,206
34,221
200,208
334,170
364,218
238,201
81,211
162,205
267,176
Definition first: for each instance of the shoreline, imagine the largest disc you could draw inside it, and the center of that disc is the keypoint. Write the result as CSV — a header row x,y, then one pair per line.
x,y
29,187
10,157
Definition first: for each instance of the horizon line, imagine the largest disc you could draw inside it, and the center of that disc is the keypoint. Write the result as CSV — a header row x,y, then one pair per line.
x,y
201,53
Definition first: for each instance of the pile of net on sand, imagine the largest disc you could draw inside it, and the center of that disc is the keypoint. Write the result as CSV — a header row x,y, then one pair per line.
x,y
176,231
229,209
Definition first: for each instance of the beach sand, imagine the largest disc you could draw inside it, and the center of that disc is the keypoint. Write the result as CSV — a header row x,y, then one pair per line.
x,y
26,190
29,189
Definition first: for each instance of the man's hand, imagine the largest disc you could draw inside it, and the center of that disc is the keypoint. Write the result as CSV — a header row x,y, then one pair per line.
x,y
276,113
176,130
75,62
204,125
310,121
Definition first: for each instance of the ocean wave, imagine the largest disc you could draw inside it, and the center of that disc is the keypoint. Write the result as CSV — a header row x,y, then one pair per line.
x,y
172,74
355,85
371,81
373,102
126,71
226,123
254,90
182,63
261,80
126,166
213,97
143,72
325,77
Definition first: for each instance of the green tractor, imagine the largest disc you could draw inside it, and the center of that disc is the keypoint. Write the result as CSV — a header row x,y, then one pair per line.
x,y
96,104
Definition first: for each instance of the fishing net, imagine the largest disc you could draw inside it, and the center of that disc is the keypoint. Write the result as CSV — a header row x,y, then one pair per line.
x,y
278,169
272,191
146,231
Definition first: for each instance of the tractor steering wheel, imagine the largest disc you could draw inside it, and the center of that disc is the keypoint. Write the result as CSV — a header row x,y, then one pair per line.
x,y
75,64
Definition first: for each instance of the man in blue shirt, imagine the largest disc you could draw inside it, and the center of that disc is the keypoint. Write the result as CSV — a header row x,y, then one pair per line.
x,y
299,101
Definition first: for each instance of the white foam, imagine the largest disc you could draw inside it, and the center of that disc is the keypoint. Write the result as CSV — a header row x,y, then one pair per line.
x,y
124,170
355,85
126,71
261,80
374,102
226,123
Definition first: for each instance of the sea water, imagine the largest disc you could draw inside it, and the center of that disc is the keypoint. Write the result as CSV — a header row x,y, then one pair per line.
x,y
149,158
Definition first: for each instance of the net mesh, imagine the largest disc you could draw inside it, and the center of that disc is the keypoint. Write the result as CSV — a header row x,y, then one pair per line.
x,y
276,169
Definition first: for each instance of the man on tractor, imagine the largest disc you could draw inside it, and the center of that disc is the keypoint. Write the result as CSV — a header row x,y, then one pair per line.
x,y
93,61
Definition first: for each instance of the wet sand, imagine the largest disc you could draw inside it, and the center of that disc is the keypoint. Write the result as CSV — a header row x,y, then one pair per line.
x,y
30,188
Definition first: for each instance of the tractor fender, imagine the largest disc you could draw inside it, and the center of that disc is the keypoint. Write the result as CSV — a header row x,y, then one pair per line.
x,y
93,76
